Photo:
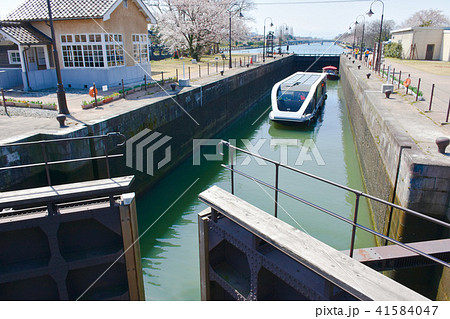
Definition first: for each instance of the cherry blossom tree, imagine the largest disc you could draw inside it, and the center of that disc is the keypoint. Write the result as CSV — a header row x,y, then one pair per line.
x,y
194,26
427,18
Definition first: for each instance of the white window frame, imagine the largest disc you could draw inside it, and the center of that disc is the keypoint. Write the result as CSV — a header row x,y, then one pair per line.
x,y
142,41
11,58
91,39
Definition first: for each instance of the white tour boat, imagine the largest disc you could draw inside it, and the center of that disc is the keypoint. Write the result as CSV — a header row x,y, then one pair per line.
x,y
298,98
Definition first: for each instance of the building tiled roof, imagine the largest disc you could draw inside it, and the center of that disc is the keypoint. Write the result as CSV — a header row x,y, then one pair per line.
x,y
23,33
37,10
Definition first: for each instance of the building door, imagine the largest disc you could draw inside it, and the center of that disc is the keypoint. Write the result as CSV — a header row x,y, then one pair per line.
x,y
41,58
31,59
430,51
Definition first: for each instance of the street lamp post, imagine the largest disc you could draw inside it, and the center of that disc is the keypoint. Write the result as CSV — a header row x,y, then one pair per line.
x,y
354,39
361,50
370,13
61,95
264,44
240,16
282,33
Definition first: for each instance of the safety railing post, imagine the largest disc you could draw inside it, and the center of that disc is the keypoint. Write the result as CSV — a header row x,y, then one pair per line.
x,y
355,221
105,148
277,168
47,171
431,97
4,101
393,76
399,79
95,95
448,111
418,90
231,156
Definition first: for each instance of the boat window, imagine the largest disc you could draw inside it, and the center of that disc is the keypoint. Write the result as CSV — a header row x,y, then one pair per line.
x,y
291,101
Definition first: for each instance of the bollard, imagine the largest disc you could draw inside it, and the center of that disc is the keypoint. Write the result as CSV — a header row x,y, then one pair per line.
x,y
418,90
388,94
145,82
217,67
123,89
61,118
393,75
189,72
399,78
199,71
208,67
162,78
176,72
431,97
4,101
442,143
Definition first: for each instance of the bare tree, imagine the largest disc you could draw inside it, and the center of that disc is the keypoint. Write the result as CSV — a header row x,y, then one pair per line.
x,y
371,33
427,18
194,26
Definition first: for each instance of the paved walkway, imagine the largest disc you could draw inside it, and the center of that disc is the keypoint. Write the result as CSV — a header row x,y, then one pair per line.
x,y
441,94
423,127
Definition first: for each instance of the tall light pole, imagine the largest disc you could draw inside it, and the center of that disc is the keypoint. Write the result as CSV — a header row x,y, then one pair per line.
x,y
370,13
282,33
231,14
362,37
354,33
264,45
354,38
61,95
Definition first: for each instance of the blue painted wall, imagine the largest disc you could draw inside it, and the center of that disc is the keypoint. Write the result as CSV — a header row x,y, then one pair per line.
x,y
10,78
74,78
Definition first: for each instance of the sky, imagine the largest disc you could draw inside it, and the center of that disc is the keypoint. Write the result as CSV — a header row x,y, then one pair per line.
x,y
321,18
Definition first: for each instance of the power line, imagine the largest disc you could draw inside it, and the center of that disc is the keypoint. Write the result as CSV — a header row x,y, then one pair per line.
x,y
309,2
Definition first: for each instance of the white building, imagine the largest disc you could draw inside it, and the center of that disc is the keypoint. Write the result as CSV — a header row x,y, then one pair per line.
x,y
424,43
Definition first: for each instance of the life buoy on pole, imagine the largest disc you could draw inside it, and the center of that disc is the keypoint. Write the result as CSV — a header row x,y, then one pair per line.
x,y
91,91
407,82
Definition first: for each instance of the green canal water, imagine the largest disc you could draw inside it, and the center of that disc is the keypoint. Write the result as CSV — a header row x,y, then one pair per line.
x,y
169,248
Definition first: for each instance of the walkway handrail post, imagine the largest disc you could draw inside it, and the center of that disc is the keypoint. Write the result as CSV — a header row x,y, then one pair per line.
x,y
431,97
355,222
277,168
44,155
4,101
418,90
231,156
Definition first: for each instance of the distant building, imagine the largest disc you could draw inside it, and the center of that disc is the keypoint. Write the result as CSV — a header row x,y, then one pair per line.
x,y
424,43
101,41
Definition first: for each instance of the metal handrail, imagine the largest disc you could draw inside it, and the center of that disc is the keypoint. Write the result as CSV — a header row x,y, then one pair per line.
x,y
357,193
47,163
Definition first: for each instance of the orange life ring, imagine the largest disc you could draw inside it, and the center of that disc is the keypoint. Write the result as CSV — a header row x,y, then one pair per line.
x,y
407,82
91,91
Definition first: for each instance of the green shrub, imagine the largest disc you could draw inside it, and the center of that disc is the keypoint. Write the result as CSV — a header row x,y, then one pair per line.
x,y
393,50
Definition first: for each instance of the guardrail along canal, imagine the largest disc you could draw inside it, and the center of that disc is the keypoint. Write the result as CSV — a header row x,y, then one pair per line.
x,y
169,248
